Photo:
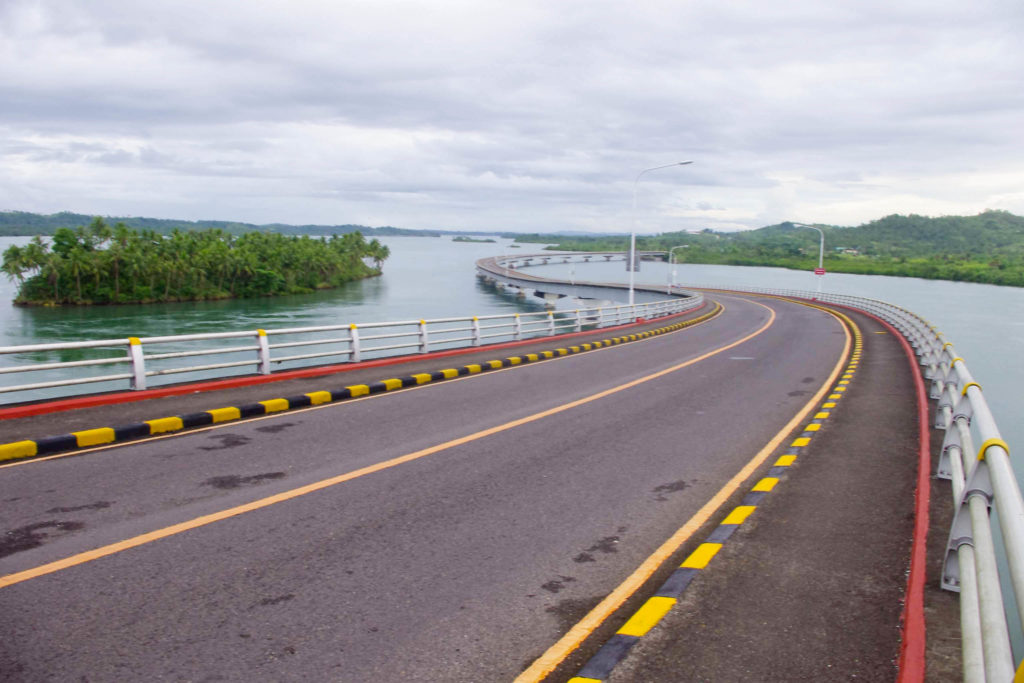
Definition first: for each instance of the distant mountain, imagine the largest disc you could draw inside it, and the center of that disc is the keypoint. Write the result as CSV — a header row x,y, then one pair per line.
x,y
25,223
988,247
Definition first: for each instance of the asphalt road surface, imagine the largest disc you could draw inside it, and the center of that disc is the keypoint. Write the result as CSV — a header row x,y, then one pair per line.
x,y
451,532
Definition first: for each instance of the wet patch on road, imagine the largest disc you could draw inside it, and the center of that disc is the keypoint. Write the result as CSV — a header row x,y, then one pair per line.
x,y
807,380
226,441
555,585
98,505
275,601
671,487
34,535
605,545
234,481
277,427
568,612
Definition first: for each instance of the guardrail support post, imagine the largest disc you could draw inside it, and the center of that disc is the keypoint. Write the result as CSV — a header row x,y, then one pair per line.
x,y
476,331
518,328
424,342
138,364
579,321
264,352
551,323
353,334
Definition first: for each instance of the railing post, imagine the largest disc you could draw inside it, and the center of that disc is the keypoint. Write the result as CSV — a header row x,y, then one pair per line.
x,y
518,328
353,335
551,323
579,321
424,341
476,331
138,364
263,352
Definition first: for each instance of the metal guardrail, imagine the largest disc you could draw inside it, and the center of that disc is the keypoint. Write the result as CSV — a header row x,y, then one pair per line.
x,y
142,358
981,478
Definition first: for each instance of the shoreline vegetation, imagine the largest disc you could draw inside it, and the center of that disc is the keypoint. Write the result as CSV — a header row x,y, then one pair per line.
x,y
474,239
987,248
99,264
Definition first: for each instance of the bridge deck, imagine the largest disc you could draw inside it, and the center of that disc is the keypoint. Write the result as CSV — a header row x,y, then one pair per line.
x,y
809,587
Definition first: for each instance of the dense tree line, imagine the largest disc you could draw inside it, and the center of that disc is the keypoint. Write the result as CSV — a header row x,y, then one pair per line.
x,y
27,223
100,264
987,248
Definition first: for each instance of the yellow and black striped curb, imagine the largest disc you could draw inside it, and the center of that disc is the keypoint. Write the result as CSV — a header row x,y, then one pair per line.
x,y
95,437
600,666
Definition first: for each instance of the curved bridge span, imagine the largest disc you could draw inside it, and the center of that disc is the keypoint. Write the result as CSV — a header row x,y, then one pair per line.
x,y
720,494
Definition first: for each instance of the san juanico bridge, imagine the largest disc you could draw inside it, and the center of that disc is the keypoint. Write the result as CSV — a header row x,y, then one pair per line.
x,y
636,483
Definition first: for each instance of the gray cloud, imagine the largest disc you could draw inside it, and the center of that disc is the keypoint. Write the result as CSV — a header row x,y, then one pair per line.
x,y
520,116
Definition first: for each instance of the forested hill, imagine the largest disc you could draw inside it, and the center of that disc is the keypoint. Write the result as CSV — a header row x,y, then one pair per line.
x,y
987,248
25,223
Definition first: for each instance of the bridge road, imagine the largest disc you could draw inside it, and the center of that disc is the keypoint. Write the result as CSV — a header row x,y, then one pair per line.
x,y
461,562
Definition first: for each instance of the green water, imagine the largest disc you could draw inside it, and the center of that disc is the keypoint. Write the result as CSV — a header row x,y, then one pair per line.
x,y
425,277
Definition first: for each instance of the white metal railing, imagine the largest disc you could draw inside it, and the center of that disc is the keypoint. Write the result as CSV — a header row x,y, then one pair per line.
x,y
134,361
981,478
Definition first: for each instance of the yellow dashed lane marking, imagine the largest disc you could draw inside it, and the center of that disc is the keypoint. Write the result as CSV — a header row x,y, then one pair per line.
x,y
318,397
94,437
18,449
785,460
739,514
700,557
766,484
800,442
823,415
224,414
165,424
812,428
275,405
647,616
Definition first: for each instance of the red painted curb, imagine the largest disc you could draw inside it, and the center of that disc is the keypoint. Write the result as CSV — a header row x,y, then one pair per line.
x,y
236,382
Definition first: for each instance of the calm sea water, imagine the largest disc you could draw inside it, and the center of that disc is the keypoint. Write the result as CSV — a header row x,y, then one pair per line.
x,y
429,277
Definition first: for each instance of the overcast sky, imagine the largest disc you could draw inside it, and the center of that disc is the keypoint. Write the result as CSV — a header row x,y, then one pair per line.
x,y
521,115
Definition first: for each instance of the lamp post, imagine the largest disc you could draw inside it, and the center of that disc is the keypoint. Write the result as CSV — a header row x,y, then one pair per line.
x,y
820,272
632,234
672,276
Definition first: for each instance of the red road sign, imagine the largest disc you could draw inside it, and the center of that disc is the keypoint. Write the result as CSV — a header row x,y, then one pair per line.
x,y
819,271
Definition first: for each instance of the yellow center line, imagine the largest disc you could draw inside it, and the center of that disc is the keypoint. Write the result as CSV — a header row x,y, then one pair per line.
x,y
143,539
558,652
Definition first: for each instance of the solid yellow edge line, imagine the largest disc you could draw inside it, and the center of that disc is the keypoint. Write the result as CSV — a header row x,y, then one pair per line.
x,y
557,653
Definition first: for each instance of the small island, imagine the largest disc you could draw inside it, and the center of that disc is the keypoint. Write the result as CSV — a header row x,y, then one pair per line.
x,y
473,239
100,264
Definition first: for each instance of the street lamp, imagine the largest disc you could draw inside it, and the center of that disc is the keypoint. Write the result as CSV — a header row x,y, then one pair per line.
x,y
820,272
672,280
632,234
